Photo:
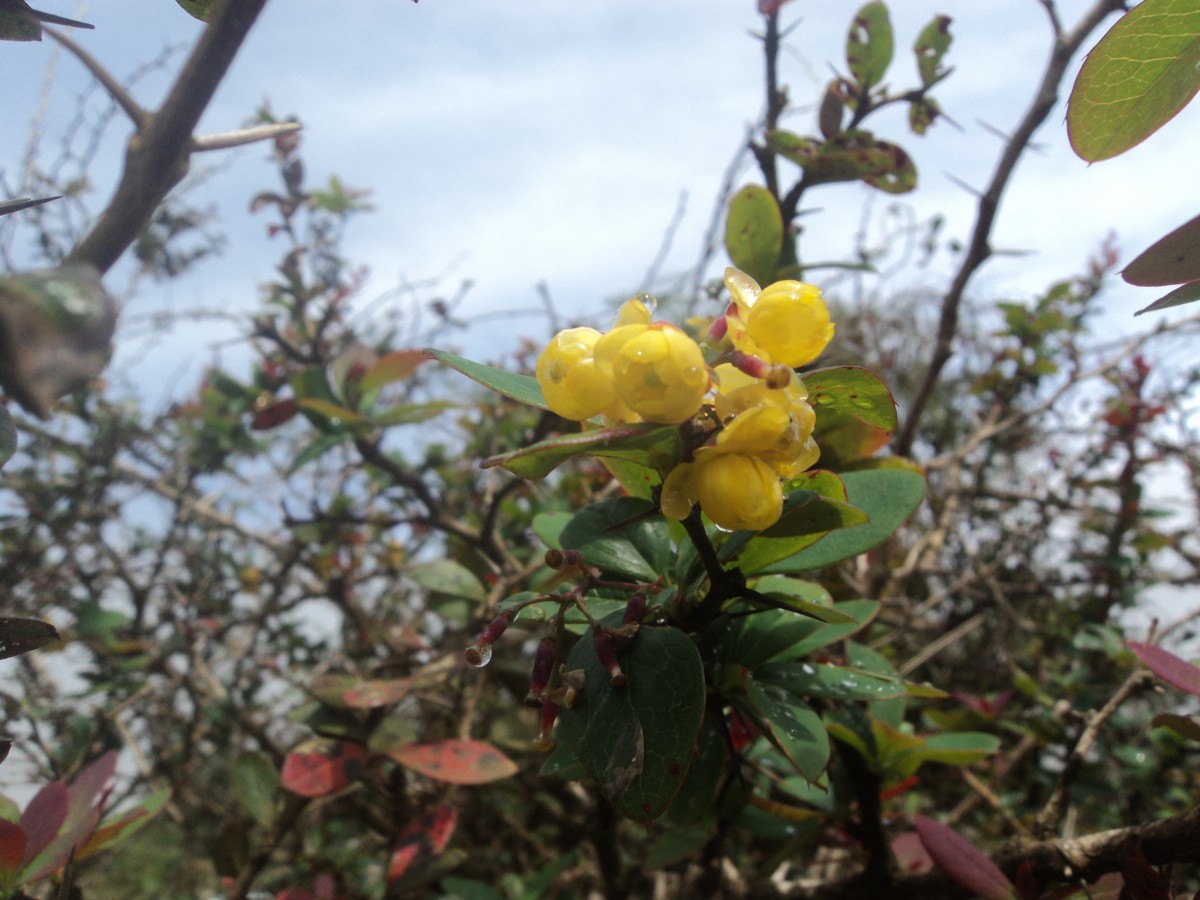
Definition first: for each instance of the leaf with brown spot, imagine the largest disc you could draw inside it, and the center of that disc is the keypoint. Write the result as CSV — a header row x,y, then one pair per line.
x,y
321,766
455,762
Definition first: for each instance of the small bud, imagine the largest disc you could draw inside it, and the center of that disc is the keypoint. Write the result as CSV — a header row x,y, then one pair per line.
x,y
562,559
718,329
635,609
779,377
607,655
480,653
545,741
543,668
751,365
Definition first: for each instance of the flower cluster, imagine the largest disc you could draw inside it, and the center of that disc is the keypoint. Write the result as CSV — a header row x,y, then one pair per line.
x,y
749,408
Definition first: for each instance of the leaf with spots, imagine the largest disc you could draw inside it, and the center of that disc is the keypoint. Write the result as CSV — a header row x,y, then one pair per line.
x,y
870,44
456,762
423,840
638,741
322,766
754,232
19,636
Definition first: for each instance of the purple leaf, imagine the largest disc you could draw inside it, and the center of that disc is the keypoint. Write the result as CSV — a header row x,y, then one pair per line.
x,y
963,861
43,817
1172,669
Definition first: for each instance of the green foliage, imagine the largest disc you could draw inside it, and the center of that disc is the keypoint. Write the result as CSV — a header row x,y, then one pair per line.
x,y
1140,75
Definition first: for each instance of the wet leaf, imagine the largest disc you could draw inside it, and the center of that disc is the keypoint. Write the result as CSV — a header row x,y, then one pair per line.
x,y
622,536
754,232
456,762
1140,75
321,766
856,413
805,679
887,496
791,724
638,742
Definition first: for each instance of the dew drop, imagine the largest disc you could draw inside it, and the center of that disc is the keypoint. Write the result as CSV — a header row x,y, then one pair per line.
x,y
479,655
825,400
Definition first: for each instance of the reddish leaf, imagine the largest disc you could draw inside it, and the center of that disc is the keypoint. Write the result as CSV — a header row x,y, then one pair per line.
x,y
770,7
322,766
1172,669
12,848
381,692
911,855
394,366
86,796
458,762
1142,880
294,894
421,842
274,415
43,817
963,861
5,746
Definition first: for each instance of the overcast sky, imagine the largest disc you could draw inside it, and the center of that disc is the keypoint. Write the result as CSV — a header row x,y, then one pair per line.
x,y
551,140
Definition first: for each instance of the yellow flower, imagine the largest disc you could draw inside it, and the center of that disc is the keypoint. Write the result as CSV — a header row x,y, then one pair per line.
x,y
787,322
573,384
657,370
736,491
774,424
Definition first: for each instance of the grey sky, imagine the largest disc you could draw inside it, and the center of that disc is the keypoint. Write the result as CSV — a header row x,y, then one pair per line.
x,y
516,142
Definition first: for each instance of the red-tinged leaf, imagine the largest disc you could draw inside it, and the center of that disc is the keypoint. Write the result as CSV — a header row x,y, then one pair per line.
x,y
910,854
12,848
5,746
395,366
274,415
295,894
1142,880
457,762
967,865
770,7
322,766
1173,259
43,817
86,797
1172,669
420,844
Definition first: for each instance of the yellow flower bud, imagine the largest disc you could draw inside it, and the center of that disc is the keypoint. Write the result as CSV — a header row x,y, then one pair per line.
x,y
735,491
658,371
573,384
789,322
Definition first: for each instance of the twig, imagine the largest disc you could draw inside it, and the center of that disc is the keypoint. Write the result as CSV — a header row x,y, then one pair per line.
x,y
979,248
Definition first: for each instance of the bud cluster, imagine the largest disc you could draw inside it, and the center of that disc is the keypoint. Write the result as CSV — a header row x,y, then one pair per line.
x,y
653,372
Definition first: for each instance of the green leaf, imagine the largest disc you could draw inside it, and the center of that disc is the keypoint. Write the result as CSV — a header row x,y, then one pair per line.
x,y
640,442
317,449
870,44
1181,725
754,232
753,640
863,612
888,710
697,798
856,413
801,525
638,741
410,413
549,527
198,9
887,496
256,786
1143,72
18,22
930,47
960,748
1173,259
806,597
623,535
522,388
8,435
445,576
791,725
805,679
1182,295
